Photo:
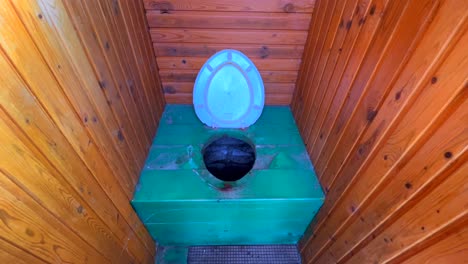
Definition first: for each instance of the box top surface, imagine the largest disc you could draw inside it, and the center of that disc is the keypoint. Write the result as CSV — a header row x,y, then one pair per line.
x,y
174,170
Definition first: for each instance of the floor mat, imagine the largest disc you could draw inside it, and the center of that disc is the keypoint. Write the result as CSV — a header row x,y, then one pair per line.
x,y
267,254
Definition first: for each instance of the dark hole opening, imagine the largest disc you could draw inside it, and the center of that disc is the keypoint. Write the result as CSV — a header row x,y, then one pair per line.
x,y
229,158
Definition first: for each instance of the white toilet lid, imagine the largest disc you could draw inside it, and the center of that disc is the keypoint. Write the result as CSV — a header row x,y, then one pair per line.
x,y
228,91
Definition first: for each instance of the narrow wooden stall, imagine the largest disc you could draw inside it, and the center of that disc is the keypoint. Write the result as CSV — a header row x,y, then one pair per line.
x,y
186,33
80,103
378,91
381,103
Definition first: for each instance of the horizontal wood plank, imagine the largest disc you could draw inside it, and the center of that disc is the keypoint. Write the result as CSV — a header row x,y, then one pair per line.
x,y
232,5
185,33
206,50
191,75
195,63
228,36
187,87
228,20
270,99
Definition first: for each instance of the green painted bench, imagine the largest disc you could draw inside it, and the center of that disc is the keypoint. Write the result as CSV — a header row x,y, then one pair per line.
x,y
181,203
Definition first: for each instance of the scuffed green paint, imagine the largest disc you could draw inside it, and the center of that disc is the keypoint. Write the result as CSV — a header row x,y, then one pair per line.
x,y
181,203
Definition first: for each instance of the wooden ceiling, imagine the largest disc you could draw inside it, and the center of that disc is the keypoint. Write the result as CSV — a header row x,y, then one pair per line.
x,y
185,33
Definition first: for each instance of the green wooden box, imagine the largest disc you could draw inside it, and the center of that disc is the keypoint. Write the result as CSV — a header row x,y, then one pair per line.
x,y
181,203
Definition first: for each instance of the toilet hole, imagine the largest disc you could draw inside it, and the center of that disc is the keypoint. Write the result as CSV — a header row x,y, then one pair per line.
x,y
229,158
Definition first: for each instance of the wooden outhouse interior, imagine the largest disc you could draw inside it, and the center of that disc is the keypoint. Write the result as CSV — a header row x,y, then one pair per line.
x,y
377,90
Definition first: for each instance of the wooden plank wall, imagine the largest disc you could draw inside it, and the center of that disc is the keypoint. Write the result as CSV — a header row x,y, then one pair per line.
x,y
80,103
381,102
186,33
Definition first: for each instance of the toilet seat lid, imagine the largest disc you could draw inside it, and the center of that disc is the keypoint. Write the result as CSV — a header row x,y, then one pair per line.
x,y
228,91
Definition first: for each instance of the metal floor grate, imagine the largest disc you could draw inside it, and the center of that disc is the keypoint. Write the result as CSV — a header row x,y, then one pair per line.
x,y
265,254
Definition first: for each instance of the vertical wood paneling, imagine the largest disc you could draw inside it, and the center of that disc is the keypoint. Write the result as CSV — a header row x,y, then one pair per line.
x,y
116,115
185,33
450,250
12,254
80,103
29,224
381,102
141,26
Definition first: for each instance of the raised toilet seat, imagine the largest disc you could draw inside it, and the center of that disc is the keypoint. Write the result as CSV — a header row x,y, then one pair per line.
x,y
228,91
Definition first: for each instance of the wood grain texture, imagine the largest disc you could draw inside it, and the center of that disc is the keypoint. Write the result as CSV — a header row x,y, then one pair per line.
x,y
186,33
34,230
381,102
80,103
228,36
12,254
275,6
253,51
270,99
169,75
187,87
228,20
195,63
181,93
451,249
